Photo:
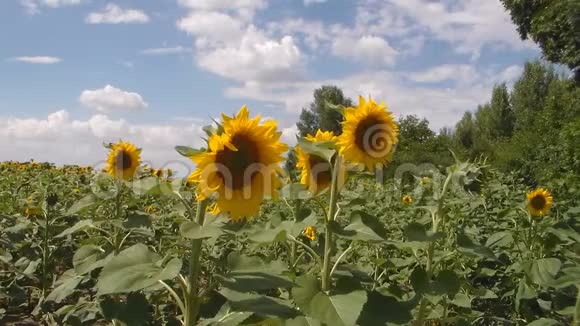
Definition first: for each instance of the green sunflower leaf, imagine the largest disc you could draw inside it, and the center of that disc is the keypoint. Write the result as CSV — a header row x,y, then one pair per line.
x,y
134,269
188,151
324,150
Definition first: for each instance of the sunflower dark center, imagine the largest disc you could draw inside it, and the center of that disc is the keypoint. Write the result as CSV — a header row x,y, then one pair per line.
x,y
123,160
236,163
320,170
538,202
368,135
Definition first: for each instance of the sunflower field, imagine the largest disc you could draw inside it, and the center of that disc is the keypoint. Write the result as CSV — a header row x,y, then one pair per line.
x,y
237,242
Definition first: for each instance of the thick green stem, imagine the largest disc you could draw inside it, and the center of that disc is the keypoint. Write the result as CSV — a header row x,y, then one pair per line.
x,y
45,254
437,218
429,270
293,245
116,239
328,241
293,250
445,311
325,275
576,321
307,248
192,300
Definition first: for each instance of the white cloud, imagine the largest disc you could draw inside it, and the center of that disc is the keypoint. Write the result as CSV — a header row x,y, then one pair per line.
x,y
289,135
211,26
368,49
254,57
404,26
223,4
441,106
314,33
510,74
109,98
61,139
457,72
165,50
33,6
45,60
243,8
310,2
469,25
227,43
113,14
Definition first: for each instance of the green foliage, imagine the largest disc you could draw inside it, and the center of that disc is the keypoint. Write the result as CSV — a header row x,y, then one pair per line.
x,y
321,114
489,261
554,25
418,144
529,130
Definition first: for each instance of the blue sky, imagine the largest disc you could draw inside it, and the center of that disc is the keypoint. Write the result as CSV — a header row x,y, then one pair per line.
x,y
75,73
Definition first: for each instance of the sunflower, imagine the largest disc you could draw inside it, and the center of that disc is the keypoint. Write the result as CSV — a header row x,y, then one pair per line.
x,y
31,211
407,199
425,181
539,201
157,173
369,134
241,165
149,209
310,233
124,159
315,172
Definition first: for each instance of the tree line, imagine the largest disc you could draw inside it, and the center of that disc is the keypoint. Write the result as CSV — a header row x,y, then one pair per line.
x,y
532,130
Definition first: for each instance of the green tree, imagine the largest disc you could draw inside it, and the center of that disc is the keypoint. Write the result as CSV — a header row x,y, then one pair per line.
x,y
503,116
529,93
413,130
553,24
290,166
419,144
320,115
484,131
464,131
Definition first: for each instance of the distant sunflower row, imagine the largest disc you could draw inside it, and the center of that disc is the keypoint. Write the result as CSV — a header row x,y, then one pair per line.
x,y
33,166
242,162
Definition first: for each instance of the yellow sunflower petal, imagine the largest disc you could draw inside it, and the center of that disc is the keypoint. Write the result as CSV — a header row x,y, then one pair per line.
x,y
539,202
315,172
240,165
369,134
123,160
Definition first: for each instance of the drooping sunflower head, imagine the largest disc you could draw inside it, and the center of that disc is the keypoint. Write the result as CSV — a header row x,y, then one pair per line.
x,y
539,202
316,172
369,134
241,165
407,199
124,159
310,233
425,181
